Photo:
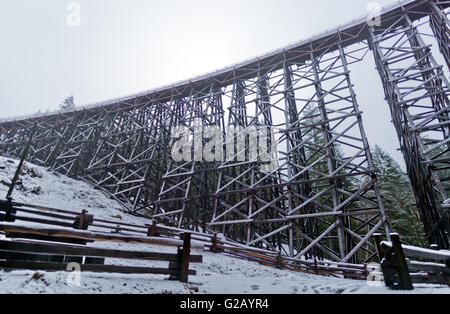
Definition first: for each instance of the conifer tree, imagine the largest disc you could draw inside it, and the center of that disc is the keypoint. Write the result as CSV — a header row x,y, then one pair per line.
x,y
68,104
398,198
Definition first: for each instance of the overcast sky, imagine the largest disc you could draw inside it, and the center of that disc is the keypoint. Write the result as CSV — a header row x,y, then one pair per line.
x,y
125,46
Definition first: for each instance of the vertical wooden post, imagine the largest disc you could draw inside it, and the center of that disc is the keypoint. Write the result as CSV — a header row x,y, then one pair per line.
x,y
184,255
214,243
215,247
280,261
10,212
83,221
152,230
402,266
181,266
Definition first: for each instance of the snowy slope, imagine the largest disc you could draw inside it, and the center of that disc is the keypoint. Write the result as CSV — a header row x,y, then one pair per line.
x,y
217,274
41,187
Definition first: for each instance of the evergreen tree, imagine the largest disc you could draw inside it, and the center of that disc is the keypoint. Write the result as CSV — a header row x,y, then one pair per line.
x,y
68,104
398,198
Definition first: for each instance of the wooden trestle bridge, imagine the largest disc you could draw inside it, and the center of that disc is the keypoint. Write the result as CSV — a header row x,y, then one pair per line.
x,y
321,199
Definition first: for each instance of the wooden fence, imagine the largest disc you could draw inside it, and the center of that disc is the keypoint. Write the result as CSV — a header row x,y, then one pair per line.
x,y
277,260
151,234
400,272
51,256
54,249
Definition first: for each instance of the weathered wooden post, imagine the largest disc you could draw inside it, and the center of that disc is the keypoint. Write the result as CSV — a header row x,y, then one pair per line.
x,y
402,266
393,263
185,254
8,208
316,267
279,261
182,265
215,244
152,230
83,221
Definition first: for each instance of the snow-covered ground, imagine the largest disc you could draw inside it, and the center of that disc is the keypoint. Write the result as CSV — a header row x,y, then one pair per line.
x,y
218,274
